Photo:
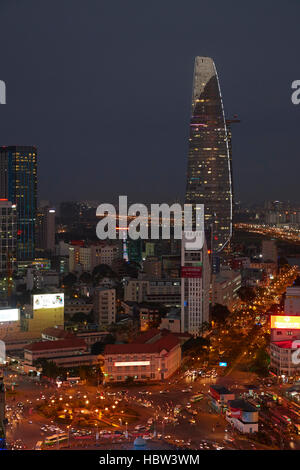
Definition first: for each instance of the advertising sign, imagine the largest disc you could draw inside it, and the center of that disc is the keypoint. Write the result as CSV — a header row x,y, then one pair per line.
x,y
191,271
9,314
285,322
48,301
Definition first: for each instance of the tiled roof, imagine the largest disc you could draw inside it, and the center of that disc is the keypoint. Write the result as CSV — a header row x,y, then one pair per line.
x,y
58,333
59,344
286,344
167,342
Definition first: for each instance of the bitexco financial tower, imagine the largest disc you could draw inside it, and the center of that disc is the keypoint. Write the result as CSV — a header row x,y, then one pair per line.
x,y
209,173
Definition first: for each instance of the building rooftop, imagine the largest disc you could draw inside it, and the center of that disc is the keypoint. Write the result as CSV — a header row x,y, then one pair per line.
x,y
163,341
242,405
59,344
58,333
221,390
286,344
174,313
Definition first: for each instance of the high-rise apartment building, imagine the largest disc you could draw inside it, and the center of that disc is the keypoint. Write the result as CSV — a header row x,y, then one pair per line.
x,y
269,251
209,173
105,306
45,229
195,286
18,184
8,234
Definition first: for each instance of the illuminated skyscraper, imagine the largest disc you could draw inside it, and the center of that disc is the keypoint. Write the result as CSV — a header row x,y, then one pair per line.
x,y
8,236
18,184
209,174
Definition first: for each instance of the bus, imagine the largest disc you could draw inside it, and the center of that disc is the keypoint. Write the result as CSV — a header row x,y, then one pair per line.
x,y
197,397
38,445
51,440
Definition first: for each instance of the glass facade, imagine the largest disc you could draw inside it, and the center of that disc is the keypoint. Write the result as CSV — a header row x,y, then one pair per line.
x,y
8,233
209,173
18,183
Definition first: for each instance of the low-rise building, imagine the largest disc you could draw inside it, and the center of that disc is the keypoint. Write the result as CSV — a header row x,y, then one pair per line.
x,y
55,334
155,355
166,291
171,321
220,396
282,361
64,353
92,337
78,306
242,415
149,316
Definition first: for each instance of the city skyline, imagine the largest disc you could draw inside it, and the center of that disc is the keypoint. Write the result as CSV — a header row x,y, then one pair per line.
x,y
158,307
72,106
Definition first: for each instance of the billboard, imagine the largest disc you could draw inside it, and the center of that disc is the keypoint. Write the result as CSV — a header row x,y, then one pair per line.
x,y
285,322
9,314
48,301
191,271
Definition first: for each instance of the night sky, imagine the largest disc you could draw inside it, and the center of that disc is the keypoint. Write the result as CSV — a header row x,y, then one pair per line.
x,y
103,88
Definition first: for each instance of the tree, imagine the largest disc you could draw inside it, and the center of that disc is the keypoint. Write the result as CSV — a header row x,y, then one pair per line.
x,y
69,280
219,313
282,261
86,278
101,271
196,346
129,380
49,368
79,317
261,363
247,294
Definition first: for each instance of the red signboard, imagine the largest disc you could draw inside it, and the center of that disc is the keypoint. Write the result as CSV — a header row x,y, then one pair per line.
x,y
214,393
191,271
77,242
235,412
